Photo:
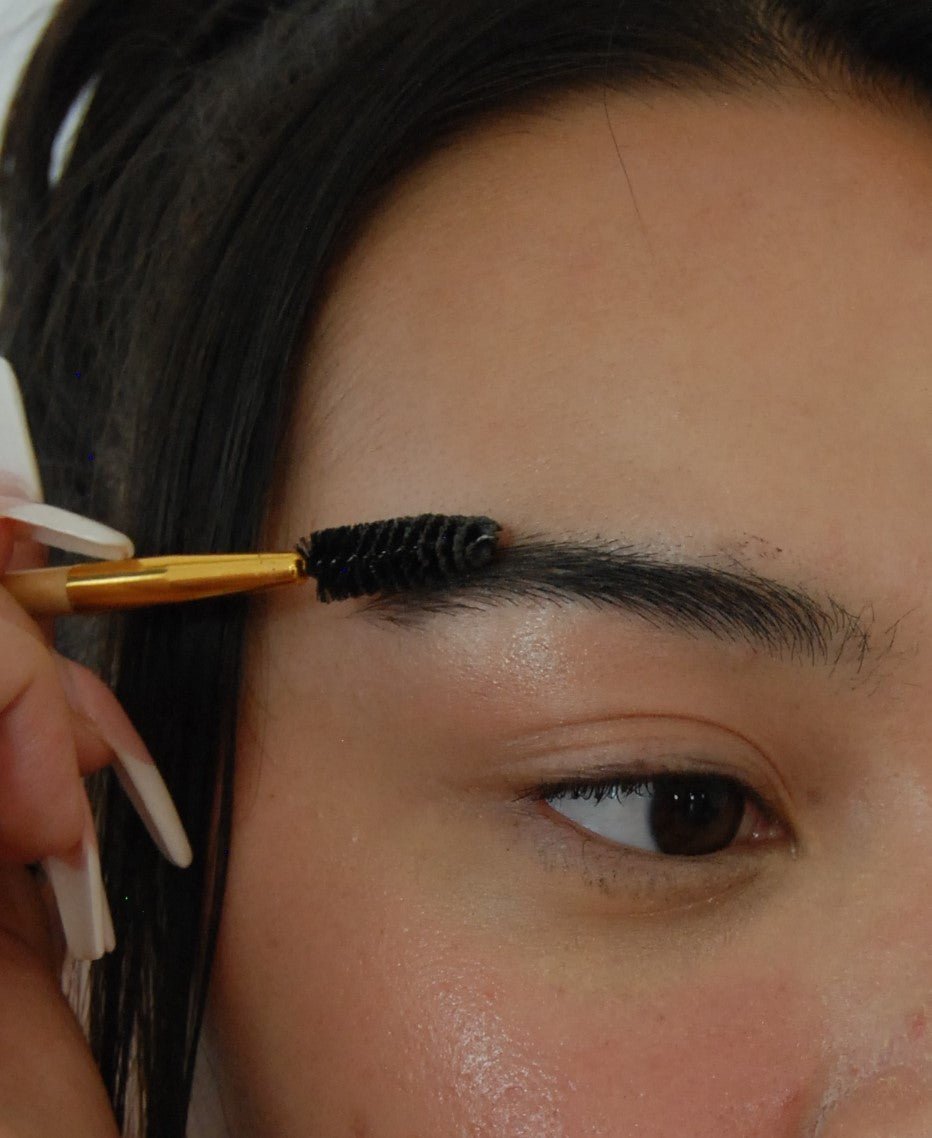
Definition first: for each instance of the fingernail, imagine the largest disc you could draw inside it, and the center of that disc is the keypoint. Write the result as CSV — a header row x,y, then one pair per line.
x,y
62,529
79,894
17,458
109,932
144,787
134,766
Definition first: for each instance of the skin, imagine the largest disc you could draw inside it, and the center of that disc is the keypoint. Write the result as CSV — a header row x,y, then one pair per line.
x,y
722,352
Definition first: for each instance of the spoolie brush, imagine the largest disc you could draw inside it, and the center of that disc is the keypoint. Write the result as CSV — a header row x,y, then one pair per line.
x,y
397,556
394,556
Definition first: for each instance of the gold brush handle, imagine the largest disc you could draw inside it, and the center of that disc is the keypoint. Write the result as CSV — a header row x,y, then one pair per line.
x,y
106,585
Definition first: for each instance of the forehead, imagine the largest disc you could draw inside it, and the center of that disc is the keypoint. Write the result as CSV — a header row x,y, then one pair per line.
x,y
701,320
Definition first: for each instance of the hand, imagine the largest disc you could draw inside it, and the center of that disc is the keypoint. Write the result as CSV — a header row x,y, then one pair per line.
x,y
48,1082
58,723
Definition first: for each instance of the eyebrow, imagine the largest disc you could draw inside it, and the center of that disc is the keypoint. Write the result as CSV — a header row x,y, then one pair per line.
x,y
736,605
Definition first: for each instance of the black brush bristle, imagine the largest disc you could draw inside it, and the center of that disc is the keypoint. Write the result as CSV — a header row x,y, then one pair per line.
x,y
397,555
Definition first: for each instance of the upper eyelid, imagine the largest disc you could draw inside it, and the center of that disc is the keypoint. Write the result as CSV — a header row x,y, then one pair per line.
x,y
763,797
645,743
624,777
772,811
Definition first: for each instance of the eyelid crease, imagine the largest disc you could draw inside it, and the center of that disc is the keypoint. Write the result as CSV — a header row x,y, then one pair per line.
x,y
545,737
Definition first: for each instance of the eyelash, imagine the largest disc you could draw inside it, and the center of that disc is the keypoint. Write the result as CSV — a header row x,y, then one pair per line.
x,y
681,789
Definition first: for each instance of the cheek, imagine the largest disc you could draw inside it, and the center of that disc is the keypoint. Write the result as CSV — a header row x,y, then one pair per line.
x,y
367,1011
714,1060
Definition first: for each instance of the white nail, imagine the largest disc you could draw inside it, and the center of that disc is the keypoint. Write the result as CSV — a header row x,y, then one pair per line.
x,y
62,529
149,795
79,894
109,932
17,458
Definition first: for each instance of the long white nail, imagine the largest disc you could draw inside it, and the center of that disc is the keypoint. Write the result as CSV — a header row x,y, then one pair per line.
x,y
149,795
109,932
62,529
134,766
79,894
17,458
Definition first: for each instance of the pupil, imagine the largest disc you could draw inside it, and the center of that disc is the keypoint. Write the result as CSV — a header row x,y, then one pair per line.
x,y
695,814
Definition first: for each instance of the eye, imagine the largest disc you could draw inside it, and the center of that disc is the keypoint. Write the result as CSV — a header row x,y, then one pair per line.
x,y
680,815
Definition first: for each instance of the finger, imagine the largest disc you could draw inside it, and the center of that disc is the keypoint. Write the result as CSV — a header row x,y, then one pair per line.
x,y
97,709
16,553
11,613
27,551
6,544
27,915
40,784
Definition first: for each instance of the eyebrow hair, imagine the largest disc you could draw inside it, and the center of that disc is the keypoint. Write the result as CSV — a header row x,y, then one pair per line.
x,y
736,605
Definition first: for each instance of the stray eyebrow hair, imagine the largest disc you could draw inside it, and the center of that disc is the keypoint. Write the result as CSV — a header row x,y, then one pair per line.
x,y
735,605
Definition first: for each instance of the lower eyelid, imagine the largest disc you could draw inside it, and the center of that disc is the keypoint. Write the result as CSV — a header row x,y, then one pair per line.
x,y
639,883
635,882
641,748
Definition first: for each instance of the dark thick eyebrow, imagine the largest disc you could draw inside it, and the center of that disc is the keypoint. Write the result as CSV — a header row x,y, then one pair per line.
x,y
735,604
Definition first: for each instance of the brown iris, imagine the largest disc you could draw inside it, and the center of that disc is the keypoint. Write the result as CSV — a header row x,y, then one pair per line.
x,y
695,814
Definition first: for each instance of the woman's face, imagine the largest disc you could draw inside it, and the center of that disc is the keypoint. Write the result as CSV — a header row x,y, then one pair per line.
x,y
697,326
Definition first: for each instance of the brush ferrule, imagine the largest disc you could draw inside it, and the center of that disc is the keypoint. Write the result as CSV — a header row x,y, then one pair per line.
x,y
168,580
